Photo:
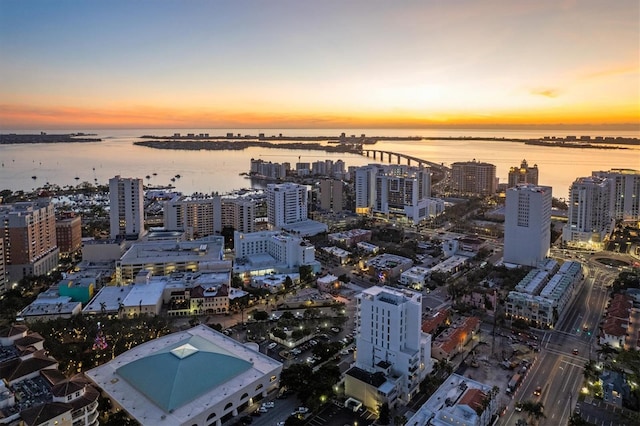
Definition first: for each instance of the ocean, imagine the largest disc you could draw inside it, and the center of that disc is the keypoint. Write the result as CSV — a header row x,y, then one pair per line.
x,y
29,166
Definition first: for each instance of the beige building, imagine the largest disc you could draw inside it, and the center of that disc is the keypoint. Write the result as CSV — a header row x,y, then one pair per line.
x,y
474,178
29,233
331,191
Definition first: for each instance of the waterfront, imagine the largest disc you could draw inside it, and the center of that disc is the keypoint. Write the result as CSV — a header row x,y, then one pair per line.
x,y
209,171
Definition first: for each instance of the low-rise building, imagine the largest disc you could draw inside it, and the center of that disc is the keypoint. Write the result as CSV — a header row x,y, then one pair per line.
x,y
458,401
415,277
387,266
454,339
176,379
542,296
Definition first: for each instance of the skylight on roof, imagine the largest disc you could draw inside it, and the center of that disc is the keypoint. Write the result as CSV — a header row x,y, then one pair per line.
x,y
184,351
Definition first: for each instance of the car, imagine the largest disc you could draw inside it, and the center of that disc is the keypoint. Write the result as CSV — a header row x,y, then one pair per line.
x,y
302,410
575,352
269,404
262,409
272,345
538,391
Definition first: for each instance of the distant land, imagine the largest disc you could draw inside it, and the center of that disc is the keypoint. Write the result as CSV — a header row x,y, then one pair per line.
x,y
13,138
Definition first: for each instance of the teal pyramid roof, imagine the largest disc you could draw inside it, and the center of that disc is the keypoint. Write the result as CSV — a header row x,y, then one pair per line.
x,y
182,371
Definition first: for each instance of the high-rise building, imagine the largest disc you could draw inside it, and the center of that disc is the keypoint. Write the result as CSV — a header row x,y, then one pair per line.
x,y
390,343
473,178
331,195
365,187
523,174
394,190
287,203
126,202
590,216
527,224
624,193
69,233
3,272
197,216
29,233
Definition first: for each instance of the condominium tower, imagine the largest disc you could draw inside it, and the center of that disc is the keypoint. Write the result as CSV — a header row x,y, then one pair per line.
x,y
287,203
394,190
527,224
523,174
624,193
590,216
126,202
389,341
29,234
473,178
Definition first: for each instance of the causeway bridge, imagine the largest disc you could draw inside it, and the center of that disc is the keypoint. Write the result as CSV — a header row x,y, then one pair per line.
x,y
399,157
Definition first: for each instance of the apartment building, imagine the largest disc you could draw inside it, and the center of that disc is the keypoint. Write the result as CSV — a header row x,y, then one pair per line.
x,y
590,216
523,174
394,355
29,235
473,178
69,233
287,203
126,202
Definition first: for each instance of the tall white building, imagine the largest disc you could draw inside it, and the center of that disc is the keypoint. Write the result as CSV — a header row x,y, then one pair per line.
x,y
286,204
624,196
126,202
590,213
394,190
390,344
527,224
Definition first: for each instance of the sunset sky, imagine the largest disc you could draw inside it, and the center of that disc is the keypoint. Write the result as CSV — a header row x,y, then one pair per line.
x,y
237,64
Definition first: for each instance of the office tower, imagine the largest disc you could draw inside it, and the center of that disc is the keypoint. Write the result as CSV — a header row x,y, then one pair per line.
x,y
527,224
523,174
390,339
126,201
590,213
473,178
331,195
69,233
29,233
286,204
197,216
624,193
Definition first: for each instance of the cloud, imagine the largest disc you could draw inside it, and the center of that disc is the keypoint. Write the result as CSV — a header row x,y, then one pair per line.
x,y
547,93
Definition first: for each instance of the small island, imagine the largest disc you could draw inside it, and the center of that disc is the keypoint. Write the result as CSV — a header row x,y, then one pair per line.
x,y
42,137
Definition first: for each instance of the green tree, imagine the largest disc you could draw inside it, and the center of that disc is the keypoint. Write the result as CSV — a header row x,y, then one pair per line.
x,y
260,315
534,410
383,414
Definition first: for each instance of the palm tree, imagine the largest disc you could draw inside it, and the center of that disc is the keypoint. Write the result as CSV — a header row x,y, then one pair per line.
x,y
534,410
606,352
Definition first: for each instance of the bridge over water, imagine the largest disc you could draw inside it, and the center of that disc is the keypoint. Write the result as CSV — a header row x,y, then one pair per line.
x,y
399,157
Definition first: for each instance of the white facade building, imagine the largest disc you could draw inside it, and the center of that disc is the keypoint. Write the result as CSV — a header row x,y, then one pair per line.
x,y
286,204
624,187
126,202
266,252
396,190
527,224
192,377
390,341
590,213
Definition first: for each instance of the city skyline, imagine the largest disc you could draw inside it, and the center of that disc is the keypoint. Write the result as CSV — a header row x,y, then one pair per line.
x,y
319,64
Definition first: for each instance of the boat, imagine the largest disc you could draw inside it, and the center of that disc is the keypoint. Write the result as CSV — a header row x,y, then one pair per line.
x,y
178,176
173,179
148,177
76,178
34,177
